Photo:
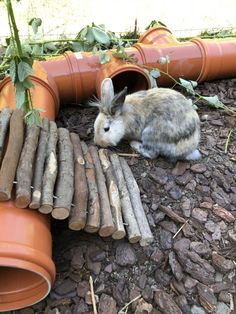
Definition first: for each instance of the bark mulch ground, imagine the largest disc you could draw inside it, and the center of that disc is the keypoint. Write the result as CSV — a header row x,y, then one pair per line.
x,y
190,267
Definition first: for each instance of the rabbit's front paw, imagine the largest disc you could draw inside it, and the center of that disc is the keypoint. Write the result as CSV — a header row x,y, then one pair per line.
x,y
136,145
143,150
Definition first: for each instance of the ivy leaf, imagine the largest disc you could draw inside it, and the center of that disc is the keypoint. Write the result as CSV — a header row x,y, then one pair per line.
x,y
24,70
20,96
100,36
187,85
214,101
104,57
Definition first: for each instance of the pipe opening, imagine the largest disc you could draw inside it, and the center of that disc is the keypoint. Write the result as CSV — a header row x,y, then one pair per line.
x,y
19,287
135,81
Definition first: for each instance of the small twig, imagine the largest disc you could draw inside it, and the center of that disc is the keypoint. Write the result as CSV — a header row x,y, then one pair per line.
x,y
175,235
231,303
128,155
227,141
92,295
121,311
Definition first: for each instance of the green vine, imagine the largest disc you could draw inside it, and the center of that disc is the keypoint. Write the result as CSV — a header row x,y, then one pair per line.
x,y
20,69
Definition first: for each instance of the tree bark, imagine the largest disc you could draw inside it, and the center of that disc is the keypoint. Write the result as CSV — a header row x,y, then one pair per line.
x,y
107,227
24,173
114,197
12,155
93,217
65,178
5,116
134,193
50,171
78,214
133,231
39,165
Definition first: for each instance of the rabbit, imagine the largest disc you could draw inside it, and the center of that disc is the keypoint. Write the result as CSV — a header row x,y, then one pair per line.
x,y
157,121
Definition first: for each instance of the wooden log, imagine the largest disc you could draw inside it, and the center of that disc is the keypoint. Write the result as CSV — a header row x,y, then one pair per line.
x,y
5,116
93,217
133,231
50,171
134,193
24,173
114,197
78,214
39,165
107,227
12,154
65,178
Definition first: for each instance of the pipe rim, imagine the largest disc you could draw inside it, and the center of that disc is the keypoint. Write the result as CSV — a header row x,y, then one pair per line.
x,y
29,294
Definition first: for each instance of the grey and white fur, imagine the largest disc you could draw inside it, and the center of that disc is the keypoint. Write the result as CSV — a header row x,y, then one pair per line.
x,y
158,121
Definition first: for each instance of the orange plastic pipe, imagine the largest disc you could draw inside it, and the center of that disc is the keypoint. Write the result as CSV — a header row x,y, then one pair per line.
x,y
71,78
27,271
79,75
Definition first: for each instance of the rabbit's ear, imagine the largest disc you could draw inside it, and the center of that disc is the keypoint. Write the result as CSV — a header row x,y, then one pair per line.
x,y
107,92
118,101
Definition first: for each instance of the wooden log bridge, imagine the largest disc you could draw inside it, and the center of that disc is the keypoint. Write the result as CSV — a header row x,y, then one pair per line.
x,y
55,173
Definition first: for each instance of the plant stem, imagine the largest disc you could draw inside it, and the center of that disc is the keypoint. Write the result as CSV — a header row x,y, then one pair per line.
x,y
12,23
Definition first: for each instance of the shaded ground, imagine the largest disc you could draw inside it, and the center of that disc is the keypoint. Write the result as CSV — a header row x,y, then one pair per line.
x,y
192,271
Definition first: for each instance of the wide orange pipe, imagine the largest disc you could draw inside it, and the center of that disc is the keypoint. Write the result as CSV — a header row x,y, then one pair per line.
x,y
27,271
72,78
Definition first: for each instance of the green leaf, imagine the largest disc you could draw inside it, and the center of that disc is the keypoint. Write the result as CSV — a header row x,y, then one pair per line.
x,y
33,117
50,46
20,96
90,36
35,23
77,47
187,85
104,57
13,71
194,83
27,83
82,34
37,50
101,36
155,73
24,70
214,101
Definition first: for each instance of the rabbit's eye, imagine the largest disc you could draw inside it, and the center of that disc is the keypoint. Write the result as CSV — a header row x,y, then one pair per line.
x,y
106,129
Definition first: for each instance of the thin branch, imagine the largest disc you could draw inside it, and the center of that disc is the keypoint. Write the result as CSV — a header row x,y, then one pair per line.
x,y
92,295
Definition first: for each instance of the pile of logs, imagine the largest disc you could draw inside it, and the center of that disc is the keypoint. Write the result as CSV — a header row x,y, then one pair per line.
x,y
58,174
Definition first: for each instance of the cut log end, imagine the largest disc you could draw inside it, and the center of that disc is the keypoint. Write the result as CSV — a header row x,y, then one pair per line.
x,y
22,201
4,196
134,238
91,229
45,209
106,231
60,213
75,225
118,234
